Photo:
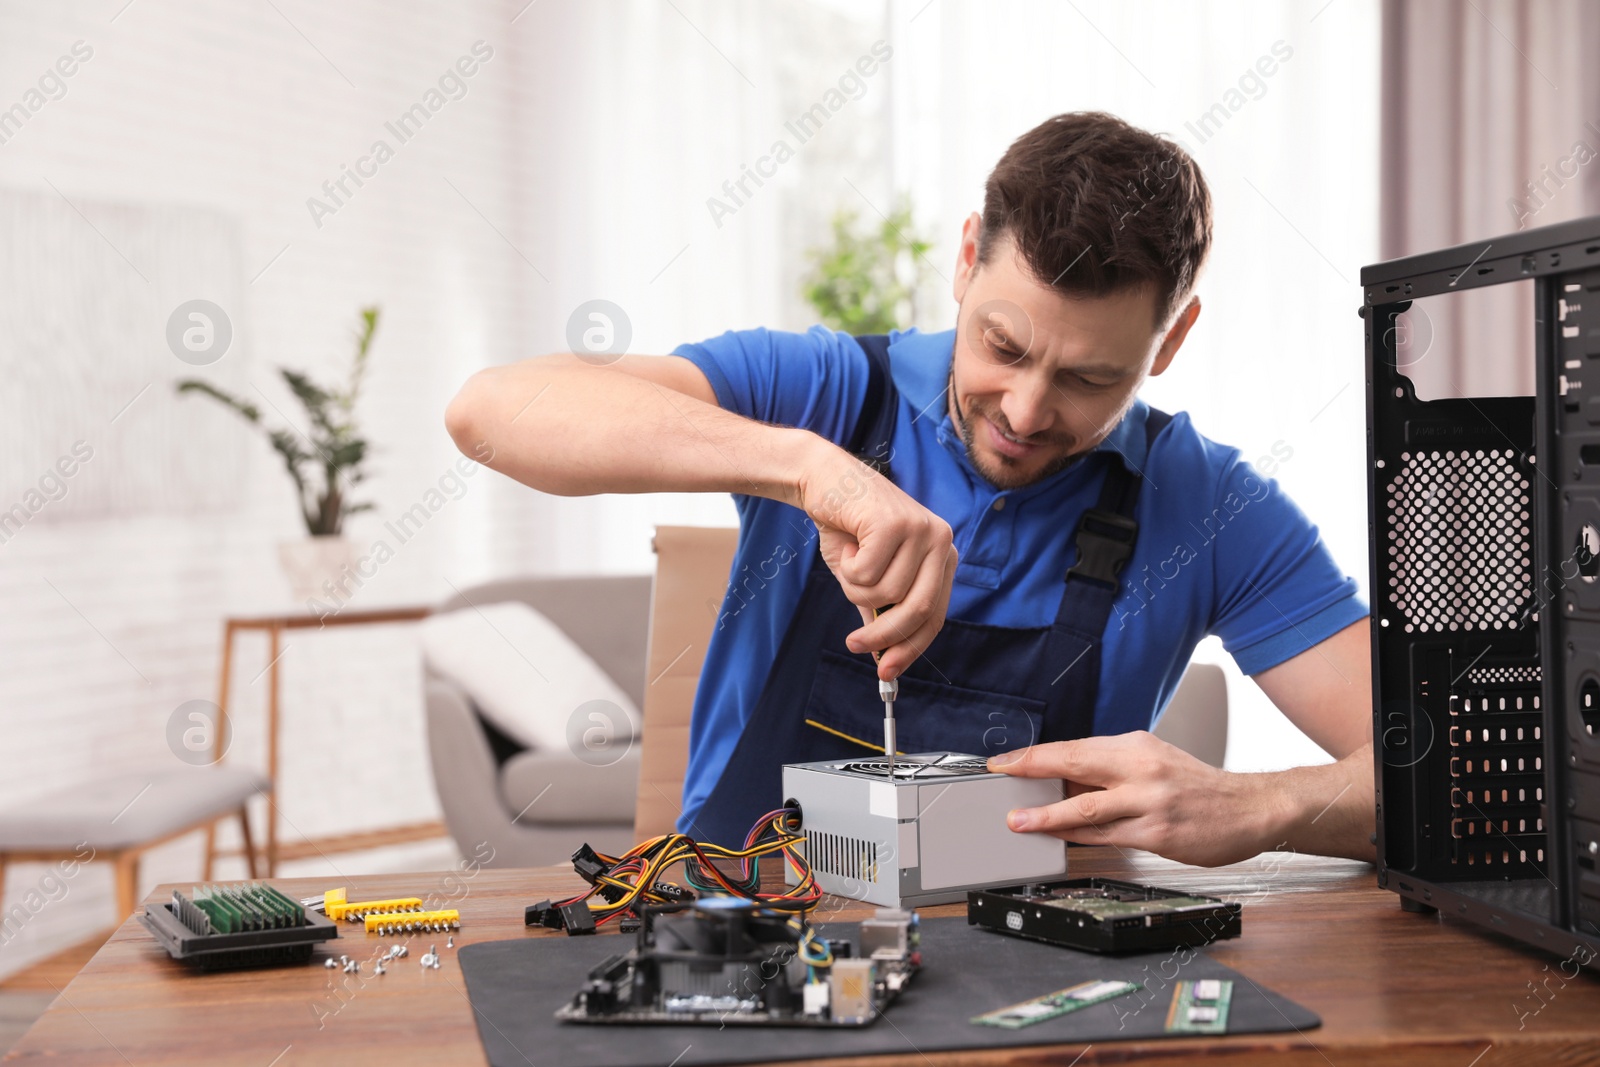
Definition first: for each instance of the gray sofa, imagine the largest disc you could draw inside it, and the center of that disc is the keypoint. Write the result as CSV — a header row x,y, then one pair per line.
x,y
534,808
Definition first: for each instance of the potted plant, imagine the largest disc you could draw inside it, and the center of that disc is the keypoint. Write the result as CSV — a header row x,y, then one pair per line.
x,y
326,465
871,281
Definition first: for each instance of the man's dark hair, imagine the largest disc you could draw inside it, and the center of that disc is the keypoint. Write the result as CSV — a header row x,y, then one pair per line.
x,y
1096,206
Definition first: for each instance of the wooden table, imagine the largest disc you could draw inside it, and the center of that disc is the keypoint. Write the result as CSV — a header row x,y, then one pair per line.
x,y
1391,987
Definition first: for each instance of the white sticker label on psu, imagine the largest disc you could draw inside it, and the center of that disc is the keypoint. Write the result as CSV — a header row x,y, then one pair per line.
x,y
882,800
1013,920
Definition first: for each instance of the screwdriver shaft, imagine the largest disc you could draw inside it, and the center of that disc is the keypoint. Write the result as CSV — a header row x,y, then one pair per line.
x,y
888,691
888,734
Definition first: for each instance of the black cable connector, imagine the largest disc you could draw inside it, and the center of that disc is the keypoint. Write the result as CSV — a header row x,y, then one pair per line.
x,y
587,862
542,914
591,868
579,919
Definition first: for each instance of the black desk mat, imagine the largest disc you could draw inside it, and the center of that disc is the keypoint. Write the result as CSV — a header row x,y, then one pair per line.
x,y
516,986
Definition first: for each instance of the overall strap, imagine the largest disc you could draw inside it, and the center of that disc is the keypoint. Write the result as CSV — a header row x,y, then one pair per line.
x,y
874,430
1105,538
1107,531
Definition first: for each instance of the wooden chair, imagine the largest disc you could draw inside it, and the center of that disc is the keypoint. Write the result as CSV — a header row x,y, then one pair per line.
x,y
692,564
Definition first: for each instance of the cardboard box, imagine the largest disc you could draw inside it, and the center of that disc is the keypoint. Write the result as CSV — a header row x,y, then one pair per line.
x,y
693,566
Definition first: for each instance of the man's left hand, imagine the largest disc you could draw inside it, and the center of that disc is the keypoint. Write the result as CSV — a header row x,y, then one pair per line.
x,y
1137,791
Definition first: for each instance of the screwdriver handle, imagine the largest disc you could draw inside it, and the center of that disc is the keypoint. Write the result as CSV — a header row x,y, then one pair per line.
x,y
876,613
887,690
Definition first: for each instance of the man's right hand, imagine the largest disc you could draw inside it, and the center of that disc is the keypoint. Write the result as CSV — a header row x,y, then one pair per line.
x,y
884,548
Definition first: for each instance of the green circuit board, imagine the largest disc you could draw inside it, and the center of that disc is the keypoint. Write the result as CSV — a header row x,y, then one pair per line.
x,y
1200,1007
1053,1005
1103,906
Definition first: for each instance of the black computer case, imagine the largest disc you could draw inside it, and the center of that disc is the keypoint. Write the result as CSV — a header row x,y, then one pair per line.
x,y
1484,529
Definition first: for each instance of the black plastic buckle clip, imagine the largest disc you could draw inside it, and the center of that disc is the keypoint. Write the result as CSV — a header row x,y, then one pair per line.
x,y
1105,541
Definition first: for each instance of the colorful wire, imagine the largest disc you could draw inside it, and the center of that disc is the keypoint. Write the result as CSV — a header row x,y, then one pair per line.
x,y
633,876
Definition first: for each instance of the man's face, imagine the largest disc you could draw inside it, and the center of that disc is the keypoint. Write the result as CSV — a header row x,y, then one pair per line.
x,y
1039,378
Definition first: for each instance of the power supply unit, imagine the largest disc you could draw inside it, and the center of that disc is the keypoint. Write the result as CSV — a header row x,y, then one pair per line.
x,y
926,832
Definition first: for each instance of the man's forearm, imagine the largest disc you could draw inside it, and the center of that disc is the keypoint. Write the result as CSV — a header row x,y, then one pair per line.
x,y
572,429
1326,810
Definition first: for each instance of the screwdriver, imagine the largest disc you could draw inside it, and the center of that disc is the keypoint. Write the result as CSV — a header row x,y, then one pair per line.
x,y
887,691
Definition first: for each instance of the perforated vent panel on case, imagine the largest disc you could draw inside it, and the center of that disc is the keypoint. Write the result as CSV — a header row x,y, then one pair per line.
x,y
1460,556
1513,675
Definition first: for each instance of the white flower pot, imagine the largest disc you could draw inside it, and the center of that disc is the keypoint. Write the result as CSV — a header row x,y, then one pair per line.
x,y
311,562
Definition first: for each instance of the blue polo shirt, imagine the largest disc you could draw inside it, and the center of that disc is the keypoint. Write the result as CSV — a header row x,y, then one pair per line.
x,y
1221,549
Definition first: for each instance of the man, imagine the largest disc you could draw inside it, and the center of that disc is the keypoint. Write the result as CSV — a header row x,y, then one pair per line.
x,y
1041,552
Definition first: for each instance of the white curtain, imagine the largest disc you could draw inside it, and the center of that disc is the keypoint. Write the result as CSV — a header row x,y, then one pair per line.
x,y
652,113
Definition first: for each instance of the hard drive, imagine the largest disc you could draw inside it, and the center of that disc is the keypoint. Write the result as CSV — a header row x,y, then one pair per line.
x,y
1104,915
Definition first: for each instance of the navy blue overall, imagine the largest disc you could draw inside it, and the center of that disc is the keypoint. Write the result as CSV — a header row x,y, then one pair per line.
x,y
978,689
